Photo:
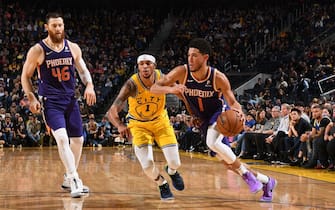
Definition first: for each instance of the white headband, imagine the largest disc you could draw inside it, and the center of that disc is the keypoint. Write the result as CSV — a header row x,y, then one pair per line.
x,y
146,57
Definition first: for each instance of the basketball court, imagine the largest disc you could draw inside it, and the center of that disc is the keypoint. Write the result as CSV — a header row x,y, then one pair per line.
x,y
31,179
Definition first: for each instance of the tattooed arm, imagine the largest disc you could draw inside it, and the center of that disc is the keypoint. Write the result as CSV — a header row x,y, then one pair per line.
x,y
128,89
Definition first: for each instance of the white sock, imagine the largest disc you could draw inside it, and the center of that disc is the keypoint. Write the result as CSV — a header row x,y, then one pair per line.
x,y
160,180
262,178
171,171
242,170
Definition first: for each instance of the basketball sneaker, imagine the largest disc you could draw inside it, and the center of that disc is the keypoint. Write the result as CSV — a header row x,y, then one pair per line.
x,y
67,185
254,184
268,189
165,192
177,180
76,187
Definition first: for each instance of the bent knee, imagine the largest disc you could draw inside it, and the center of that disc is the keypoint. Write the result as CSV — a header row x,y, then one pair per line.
x,y
175,164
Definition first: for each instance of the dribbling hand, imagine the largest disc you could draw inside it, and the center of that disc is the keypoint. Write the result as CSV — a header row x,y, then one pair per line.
x,y
240,113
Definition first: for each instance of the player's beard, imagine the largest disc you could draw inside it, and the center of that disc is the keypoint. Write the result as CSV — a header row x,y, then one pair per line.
x,y
57,38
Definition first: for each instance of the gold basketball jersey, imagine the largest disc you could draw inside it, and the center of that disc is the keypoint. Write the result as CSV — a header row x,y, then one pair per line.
x,y
146,106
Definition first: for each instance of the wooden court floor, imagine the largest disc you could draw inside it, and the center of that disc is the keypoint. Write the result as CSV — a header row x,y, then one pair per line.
x,y
30,178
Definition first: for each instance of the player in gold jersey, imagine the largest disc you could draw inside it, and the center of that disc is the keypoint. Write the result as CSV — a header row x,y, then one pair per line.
x,y
148,121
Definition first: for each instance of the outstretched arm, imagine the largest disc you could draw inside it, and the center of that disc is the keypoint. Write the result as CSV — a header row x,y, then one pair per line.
x,y
170,83
128,89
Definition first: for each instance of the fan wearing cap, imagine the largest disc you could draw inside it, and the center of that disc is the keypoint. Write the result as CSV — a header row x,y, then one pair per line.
x,y
148,121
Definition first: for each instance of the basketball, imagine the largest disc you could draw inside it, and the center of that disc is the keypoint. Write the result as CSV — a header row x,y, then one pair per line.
x,y
229,123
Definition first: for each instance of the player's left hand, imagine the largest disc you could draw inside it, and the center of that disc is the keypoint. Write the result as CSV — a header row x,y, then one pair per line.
x,y
89,95
240,113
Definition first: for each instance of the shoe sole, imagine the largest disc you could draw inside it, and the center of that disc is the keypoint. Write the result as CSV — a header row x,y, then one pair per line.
x,y
167,199
274,186
76,195
68,189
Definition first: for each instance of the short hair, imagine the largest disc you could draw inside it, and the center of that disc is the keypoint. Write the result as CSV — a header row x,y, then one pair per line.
x,y
330,110
296,110
251,115
316,106
53,15
201,44
277,108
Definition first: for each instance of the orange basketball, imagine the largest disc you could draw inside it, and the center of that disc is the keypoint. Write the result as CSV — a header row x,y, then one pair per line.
x,y
229,123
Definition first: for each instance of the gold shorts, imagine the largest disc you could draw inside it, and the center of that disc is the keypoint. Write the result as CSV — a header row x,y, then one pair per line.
x,y
158,130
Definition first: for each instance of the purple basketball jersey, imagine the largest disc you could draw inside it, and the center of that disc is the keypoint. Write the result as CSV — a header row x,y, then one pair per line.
x,y
206,102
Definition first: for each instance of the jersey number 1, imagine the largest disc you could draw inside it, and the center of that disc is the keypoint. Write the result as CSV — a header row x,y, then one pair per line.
x,y
200,104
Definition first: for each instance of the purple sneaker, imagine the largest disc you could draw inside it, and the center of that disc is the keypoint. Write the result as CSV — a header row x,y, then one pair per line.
x,y
254,184
267,189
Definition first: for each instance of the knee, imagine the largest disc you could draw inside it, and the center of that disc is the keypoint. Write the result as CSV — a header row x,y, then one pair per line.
x,y
213,144
210,143
77,140
147,164
62,141
174,164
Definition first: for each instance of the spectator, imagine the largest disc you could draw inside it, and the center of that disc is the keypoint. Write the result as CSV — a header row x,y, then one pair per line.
x,y
92,131
319,145
33,130
8,129
259,137
20,133
298,126
275,143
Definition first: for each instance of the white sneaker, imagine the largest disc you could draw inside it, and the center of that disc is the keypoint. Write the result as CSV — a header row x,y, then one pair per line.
x,y
67,185
76,187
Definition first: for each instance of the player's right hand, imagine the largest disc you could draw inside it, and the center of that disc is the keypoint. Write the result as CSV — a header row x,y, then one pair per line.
x,y
178,89
35,106
124,131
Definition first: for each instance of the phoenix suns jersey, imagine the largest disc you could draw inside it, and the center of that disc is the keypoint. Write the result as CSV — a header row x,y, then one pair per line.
x,y
202,96
57,72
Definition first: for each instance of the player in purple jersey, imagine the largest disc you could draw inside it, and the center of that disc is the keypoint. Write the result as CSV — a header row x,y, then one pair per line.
x,y
56,59
203,90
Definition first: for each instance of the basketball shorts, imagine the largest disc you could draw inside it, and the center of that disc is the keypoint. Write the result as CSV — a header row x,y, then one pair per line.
x,y
63,112
158,130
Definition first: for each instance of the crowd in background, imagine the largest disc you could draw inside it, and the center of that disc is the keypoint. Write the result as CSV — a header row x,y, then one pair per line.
x,y
112,38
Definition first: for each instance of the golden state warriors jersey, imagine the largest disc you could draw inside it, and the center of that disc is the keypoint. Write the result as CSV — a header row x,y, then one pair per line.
x,y
146,106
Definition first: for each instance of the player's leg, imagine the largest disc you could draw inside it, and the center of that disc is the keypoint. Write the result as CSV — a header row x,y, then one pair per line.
x,y
142,141
53,113
224,152
171,154
144,155
68,160
166,139
251,177
75,132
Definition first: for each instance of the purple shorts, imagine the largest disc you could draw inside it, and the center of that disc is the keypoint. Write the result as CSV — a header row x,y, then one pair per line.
x,y
63,112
